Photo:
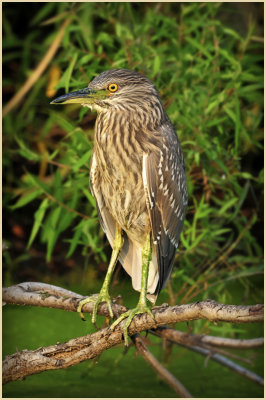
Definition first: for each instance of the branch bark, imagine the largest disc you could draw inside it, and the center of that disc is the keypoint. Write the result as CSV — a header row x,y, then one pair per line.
x,y
23,363
44,295
197,343
228,363
175,384
205,340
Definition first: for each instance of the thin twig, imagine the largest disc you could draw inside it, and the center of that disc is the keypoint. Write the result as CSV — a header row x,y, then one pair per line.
x,y
183,339
159,368
210,270
16,99
63,205
233,343
202,340
228,363
229,354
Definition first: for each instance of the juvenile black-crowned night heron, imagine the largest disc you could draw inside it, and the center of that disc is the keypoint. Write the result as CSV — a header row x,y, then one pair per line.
x,y
137,177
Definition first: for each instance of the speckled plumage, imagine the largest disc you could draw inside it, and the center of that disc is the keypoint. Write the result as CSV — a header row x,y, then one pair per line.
x,y
138,174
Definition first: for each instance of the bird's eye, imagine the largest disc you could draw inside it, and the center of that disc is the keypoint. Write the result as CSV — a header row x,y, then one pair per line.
x,y
112,87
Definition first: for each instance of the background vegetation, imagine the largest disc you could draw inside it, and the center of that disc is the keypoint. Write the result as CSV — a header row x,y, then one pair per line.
x,y
206,59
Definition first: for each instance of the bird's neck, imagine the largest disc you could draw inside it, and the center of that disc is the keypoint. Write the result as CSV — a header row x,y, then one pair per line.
x,y
137,119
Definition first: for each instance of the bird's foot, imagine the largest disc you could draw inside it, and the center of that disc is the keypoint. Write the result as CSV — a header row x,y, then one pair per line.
x,y
129,315
96,299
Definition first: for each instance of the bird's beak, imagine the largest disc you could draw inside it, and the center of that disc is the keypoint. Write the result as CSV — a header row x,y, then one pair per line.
x,y
82,96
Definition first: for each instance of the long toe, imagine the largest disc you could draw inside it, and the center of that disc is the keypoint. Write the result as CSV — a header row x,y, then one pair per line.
x,y
90,299
128,316
96,300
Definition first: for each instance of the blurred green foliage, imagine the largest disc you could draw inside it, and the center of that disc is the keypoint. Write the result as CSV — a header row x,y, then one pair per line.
x,y
211,82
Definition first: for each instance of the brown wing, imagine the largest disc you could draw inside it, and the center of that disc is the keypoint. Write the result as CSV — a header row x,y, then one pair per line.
x,y
165,185
106,220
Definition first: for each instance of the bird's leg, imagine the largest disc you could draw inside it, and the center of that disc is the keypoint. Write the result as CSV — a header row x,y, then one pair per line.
x,y
104,296
142,306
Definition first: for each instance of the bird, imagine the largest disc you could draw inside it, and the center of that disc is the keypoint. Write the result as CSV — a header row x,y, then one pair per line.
x,y
138,178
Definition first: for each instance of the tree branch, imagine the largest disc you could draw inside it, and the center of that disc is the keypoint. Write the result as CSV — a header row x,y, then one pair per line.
x,y
228,363
196,343
63,355
24,363
44,295
205,340
159,368
16,99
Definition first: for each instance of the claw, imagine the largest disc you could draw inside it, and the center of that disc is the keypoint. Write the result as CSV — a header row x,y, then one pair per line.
x,y
96,300
129,315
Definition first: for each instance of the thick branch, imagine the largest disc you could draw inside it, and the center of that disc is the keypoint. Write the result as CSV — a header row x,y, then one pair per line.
x,y
62,355
44,295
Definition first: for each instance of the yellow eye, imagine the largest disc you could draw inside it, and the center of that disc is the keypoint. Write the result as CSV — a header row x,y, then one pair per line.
x,y
112,87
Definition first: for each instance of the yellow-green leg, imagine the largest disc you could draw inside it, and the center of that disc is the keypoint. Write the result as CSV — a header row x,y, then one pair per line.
x,y
104,296
142,306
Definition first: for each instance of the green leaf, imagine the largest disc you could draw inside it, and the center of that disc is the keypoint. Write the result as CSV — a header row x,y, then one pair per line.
x,y
198,239
42,13
220,232
58,186
55,214
35,181
75,240
156,64
251,88
199,47
184,242
65,78
38,217
227,205
66,219
188,280
222,166
26,198
85,158
52,231
69,71
237,122
230,112
232,33
85,59
25,151
89,197
63,122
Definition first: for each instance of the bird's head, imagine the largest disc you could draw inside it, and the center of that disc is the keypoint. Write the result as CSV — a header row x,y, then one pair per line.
x,y
120,89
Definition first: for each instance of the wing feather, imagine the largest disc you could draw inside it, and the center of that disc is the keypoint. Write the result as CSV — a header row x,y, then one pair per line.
x,y
106,220
166,192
